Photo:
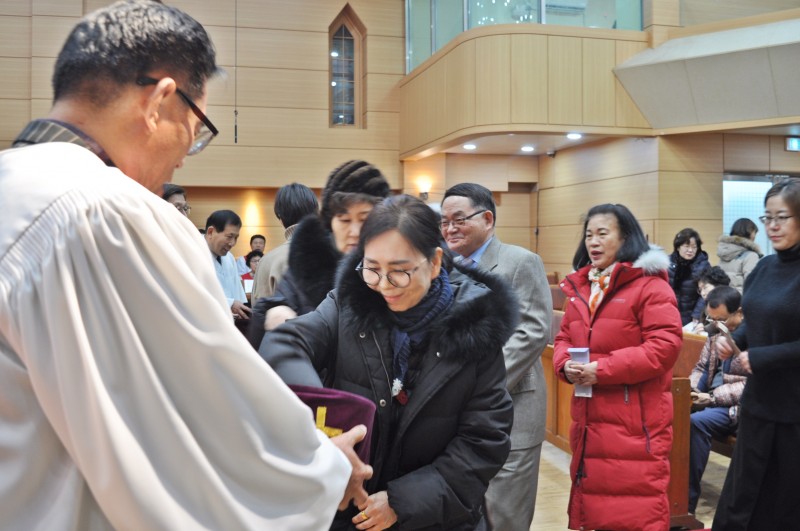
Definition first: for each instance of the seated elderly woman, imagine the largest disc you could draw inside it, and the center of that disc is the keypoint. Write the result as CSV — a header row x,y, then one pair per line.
x,y
427,349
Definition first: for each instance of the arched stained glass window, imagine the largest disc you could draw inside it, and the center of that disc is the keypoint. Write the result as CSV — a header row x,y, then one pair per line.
x,y
347,36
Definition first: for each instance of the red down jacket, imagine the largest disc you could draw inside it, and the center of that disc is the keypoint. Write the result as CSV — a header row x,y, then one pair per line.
x,y
621,436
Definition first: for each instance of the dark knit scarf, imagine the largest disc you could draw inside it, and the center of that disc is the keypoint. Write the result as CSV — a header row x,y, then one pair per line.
x,y
683,270
410,328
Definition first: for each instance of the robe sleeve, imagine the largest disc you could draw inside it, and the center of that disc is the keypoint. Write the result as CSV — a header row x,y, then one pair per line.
x,y
170,417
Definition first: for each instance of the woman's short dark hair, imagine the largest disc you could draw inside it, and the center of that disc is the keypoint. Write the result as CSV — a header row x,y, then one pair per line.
x,y
716,276
685,236
252,254
412,218
634,242
293,202
789,190
129,39
743,227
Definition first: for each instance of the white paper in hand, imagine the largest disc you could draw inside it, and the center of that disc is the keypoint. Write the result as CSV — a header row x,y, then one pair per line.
x,y
581,355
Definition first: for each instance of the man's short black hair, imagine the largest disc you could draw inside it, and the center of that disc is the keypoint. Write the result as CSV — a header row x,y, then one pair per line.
x,y
256,237
293,202
118,44
479,196
726,295
172,189
220,219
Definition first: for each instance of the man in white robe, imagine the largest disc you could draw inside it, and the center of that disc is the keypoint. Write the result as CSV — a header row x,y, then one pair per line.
x,y
222,233
128,399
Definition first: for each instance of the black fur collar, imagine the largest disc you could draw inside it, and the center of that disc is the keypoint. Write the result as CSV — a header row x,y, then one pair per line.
x,y
484,314
313,259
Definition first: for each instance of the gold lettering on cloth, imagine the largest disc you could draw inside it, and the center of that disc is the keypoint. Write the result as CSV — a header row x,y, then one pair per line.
x,y
322,414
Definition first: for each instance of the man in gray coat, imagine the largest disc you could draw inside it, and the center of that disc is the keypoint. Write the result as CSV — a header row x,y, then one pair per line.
x,y
468,219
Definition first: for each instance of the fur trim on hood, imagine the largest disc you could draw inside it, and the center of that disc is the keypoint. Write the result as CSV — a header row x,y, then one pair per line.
x,y
732,246
484,314
653,261
313,258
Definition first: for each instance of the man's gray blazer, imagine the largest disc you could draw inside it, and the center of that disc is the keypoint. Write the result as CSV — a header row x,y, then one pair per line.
x,y
524,271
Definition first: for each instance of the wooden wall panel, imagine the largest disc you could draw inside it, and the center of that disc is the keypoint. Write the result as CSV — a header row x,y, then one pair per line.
x,y
382,92
276,87
528,85
492,171
224,39
627,113
210,12
385,55
695,12
515,236
661,12
523,169
270,49
60,8
460,86
557,245
308,15
238,166
16,75
565,82
49,33
41,75
15,36
690,195
745,152
780,159
513,210
15,113
435,113
40,108
493,80
547,172
599,97
700,153
604,159
20,8
565,205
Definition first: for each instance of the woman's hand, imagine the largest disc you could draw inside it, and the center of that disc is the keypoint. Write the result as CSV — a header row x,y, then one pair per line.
x,y
583,373
570,371
278,315
376,514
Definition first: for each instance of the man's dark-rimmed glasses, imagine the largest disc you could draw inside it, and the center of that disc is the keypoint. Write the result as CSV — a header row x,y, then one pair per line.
x,y
206,133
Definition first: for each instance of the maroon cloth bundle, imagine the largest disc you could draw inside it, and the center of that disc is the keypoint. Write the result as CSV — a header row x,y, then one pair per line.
x,y
336,412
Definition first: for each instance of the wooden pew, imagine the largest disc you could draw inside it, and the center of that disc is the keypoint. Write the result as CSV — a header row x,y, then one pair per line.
x,y
678,489
559,299
552,278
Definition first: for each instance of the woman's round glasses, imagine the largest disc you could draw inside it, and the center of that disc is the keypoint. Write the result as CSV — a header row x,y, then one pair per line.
x,y
399,278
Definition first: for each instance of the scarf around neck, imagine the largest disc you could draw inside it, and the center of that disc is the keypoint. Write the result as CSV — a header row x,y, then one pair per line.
x,y
600,282
410,328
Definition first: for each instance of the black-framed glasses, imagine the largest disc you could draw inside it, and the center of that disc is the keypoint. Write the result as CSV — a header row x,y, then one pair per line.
x,y
460,222
399,278
207,130
778,220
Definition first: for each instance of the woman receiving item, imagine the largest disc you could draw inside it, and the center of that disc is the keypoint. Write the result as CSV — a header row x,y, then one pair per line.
x,y
687,262
760,491
622,308
427,349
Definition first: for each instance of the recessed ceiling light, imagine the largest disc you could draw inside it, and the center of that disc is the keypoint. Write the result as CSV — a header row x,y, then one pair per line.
x,y
333,83
574,136
334,54
527,149
469,147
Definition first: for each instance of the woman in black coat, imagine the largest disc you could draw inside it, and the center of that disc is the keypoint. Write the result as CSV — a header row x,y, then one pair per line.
x,y
427,349
687,262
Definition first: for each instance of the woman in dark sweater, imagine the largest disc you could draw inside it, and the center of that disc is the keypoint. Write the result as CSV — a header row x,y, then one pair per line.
x,y
760,491
687,262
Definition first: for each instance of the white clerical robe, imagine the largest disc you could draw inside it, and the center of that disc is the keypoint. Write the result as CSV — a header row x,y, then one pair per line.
x,y
229,278
128,399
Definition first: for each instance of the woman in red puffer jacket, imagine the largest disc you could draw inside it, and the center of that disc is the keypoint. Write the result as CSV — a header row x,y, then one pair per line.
x,y
622,307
